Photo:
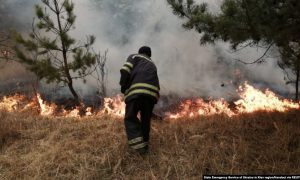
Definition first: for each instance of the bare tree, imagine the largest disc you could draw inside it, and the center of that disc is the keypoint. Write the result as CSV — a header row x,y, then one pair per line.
x,y
101,71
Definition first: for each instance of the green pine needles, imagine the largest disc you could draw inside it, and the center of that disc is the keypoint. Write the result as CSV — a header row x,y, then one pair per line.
x,y
58,58
269,24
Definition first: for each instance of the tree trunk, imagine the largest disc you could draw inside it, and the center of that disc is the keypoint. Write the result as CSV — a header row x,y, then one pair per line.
x,y
66,67
297,84
103,85
297,78
70,85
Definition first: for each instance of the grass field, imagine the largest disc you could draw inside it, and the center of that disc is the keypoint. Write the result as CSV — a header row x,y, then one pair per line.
x,y
35,147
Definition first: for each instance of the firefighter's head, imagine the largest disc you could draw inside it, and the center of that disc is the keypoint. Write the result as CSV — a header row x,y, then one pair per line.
x,y
145,50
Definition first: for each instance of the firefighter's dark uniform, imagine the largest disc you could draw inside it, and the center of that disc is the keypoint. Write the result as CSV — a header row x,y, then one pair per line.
x,y
140,85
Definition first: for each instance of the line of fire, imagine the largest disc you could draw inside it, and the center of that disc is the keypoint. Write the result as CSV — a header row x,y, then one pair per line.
x,y
251,100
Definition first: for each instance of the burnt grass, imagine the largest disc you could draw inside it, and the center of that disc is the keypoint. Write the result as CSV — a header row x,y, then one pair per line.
x,y
260,143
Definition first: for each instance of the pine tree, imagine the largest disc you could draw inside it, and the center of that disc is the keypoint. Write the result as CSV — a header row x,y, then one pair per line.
x,y
270,24
290,64
53,60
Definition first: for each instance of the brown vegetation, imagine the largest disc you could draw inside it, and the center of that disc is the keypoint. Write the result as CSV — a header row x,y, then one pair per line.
x,y
33,147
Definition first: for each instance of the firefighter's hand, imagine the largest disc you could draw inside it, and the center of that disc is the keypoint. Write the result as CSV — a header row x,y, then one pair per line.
x,y
123,90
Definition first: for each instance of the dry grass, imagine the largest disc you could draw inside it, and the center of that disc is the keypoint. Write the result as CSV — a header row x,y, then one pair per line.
x,y
33,147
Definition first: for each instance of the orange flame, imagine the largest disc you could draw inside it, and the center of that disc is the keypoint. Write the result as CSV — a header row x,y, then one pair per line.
x,y
11,103
114,106
72,114
251,100
88,111
46,110
198,107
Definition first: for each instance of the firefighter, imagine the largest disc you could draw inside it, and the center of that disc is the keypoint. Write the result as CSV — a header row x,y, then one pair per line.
x,y
140,86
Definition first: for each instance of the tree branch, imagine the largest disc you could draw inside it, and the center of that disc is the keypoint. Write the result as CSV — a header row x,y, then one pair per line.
x,y
243,47
259,59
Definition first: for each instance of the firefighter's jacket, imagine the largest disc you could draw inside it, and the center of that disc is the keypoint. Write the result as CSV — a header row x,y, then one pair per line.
x,y
139,78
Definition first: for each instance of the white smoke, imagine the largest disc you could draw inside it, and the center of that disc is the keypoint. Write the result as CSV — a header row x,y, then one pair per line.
x,y
183,65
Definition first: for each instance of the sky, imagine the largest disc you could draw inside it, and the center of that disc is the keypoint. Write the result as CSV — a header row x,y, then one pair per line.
x,y
184,67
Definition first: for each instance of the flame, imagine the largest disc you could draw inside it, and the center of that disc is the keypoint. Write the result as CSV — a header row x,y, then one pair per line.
x,y
46,110
198,107
251,100
11,103
254,100
88,111
114,106
72,114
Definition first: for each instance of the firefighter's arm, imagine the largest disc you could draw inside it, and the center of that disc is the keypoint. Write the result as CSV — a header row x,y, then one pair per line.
x,y
124,80
125,74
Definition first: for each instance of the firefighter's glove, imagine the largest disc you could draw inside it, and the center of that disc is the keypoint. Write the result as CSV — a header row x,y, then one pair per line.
x,y
123,90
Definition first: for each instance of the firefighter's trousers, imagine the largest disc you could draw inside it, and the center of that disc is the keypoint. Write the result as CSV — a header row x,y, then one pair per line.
x,y
138,130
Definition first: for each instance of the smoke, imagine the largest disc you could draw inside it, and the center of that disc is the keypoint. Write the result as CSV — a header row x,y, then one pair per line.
x,y
15,14
183,65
